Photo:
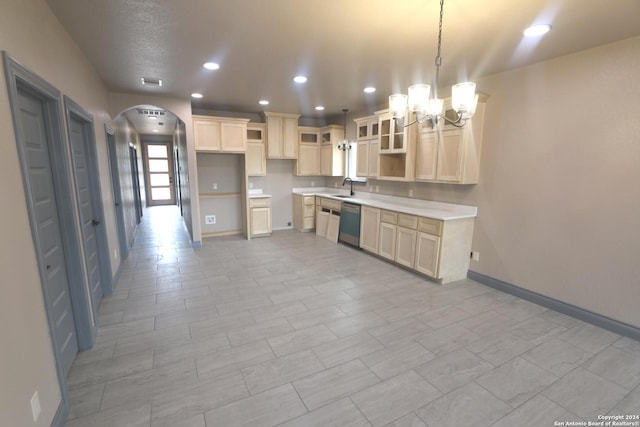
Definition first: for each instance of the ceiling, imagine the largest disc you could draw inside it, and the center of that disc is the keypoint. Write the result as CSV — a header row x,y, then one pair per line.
x,y
149,119
340,45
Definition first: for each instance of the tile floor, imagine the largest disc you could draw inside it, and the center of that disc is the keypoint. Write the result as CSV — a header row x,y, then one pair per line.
x,y
293,330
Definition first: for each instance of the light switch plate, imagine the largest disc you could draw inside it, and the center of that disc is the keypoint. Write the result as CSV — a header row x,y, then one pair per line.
x,y
35,406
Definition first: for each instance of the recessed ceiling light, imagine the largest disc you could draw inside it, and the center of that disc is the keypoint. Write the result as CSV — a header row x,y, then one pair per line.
x,y
196,95
536,30
300,79
153,118
319,108
211,65
263,102
369,89
156,130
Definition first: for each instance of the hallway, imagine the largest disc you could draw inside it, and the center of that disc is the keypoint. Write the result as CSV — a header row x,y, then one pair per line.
x,y
294,329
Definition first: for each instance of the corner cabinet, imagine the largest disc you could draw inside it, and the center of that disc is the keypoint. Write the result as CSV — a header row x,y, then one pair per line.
x,y
447,154
282,135
220,134
331,158
255,157
308,163
397,147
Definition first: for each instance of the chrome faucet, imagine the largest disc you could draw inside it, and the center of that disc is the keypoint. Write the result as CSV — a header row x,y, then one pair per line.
x,y
351,181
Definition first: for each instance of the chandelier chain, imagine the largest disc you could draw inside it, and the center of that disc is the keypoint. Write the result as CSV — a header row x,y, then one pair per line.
x,y
438,56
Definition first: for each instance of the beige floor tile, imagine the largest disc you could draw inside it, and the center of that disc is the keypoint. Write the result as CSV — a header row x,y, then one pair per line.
x,y
616,366
537,412
454,369
193,349
85,400
346,349
557,357
225,361
315,317
447,339
130,415
394,360
109,369
356,323
342,413
258,331
411,420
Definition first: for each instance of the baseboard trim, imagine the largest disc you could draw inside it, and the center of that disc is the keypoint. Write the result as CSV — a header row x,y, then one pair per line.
x,y
116,277
559,306
61,414
196,244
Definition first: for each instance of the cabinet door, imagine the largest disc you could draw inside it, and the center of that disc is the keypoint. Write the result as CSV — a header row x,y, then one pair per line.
x,y
274,137
427,156
234,137
333,227
308,162
387,243
206,134
369,229
322,221
260,221
255,161
450,156
362,161
326,160
405,246
373,158
427,254
290,139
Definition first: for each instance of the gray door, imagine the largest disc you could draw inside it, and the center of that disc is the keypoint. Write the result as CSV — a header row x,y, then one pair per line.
x,y
31,118
117,193
88,218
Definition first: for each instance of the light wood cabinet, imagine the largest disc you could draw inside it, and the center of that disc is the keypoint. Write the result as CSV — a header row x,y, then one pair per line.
x,y
282,135
327,218
308,162
387,241
333,227
255,157
331,161
322,220
368,143
369,228
220,134
405,246
427,254
397,147
332,134
260,216
304,209
451,155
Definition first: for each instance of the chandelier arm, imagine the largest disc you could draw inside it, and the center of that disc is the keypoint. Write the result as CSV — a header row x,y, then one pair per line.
x,y
459,122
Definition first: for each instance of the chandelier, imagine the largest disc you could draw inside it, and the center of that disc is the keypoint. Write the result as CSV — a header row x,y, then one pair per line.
x,y
418,101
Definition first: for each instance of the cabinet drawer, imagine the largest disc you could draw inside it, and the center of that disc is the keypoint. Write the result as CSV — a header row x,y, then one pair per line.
x,y
408,221
308,210
331,204
389,217
308,200
308,223
431,226
262,202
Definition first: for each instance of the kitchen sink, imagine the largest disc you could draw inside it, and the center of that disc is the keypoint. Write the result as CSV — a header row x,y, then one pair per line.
x,y
342,196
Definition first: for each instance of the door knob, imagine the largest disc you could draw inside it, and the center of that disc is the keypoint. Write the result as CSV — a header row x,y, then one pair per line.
x,y
95,222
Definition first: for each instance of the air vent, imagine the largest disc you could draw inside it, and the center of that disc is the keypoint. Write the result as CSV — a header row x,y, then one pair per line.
x,y
150,112
151,81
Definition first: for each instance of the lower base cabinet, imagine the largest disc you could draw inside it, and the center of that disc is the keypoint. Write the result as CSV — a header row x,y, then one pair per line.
x,y
322,221
333,227
387,241
405,246
427,254
260,217
369,228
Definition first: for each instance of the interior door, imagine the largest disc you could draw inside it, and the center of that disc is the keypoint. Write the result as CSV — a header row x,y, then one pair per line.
x,y
159,173
47,232
89,218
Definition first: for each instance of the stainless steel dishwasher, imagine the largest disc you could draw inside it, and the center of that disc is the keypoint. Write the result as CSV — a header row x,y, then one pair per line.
x,y
350,224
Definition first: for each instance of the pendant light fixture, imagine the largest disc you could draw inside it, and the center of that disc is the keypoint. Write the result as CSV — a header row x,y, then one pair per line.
x,y
345,144
418,101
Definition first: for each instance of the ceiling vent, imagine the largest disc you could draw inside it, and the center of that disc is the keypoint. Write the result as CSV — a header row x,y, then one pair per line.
x,y
150,112
151,81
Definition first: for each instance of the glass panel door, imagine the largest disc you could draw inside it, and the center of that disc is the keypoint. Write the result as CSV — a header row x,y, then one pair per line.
x,y
159,168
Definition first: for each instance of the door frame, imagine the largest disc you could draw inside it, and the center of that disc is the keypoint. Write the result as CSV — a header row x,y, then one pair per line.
x,y
74,110
110,137
145,142
18,77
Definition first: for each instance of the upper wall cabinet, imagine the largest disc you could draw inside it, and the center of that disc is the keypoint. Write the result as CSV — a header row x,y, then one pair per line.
x,y
282,135
255,158
331,159
448,154
308,162
220,134
368,143
396,152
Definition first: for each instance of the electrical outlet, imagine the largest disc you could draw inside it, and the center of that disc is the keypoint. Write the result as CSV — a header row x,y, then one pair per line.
x,y
215,185
288,224
210,219
35,406
411,192
475,256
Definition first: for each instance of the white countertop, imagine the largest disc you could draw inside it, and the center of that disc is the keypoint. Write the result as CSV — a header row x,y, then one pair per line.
x,y
426,208
257,194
